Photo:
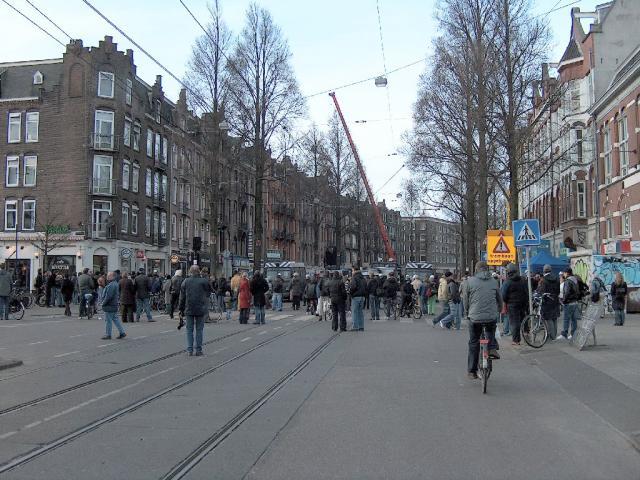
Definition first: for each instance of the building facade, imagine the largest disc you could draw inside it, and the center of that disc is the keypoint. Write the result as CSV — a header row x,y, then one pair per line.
x,y
430,240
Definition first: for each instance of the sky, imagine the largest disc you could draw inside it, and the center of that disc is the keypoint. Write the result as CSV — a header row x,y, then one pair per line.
x,y
333,42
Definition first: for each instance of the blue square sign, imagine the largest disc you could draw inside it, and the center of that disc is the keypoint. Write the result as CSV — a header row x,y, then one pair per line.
x,y
526,233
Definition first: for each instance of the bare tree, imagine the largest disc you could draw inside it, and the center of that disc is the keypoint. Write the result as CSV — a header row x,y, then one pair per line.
x,y
263,95
51,232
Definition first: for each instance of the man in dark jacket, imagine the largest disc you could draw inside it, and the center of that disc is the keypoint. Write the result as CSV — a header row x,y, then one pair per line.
x,y
110,299
310,295
176,283
295,291
390,290
66,289
223,288
406,296
143,285
358,290
516,295
325,294
278,288
50,289
571,296
194,304
127,298
85,286
5,292
374,299
259,287
550,308
338,296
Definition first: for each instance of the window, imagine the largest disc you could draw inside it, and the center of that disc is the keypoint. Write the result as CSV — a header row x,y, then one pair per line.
x,y
158,147
608,166
163,188
156,185
579,150
127,132
156,224
187,195
105,84
124,228
101,219
174,156
609,227
134,220
28,214
163,224
174,227
582,199
33,120
13,169
147,222
174,190
128,91
135,178
102,175
623,139
196,197
30,168
13,133
149,143
10,214
157,112
147,183
181,229
37,78
103,129
626,224
187,228
126,168
165,150
137,131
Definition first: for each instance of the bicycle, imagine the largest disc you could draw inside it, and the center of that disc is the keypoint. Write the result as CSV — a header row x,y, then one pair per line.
x,y
156,301
533,328
391,308
486,364
24,295
416,311
16,308
327,313
91,307
215,311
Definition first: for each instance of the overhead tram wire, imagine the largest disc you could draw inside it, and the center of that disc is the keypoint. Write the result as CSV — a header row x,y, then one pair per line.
x,y
384,65
44,30
50,21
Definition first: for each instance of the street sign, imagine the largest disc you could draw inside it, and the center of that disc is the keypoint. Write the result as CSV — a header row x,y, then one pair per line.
x,y
500,247
527,232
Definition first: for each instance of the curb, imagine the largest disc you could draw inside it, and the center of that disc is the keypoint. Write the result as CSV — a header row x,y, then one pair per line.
x,y
5,364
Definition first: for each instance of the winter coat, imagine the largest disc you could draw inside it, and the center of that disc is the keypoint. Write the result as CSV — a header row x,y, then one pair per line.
x,y
310,292
443,291
618,295
166,289
5,283
515,291
244,294
194,296
142,284
278,285
358,286
67,290
110,297
551,285
85,283
337,291
373,286
390,287
176,282
296,287
223,287
51,281
259,287
454,291
416,284
235,283
407,289
571,290
481,298
127,292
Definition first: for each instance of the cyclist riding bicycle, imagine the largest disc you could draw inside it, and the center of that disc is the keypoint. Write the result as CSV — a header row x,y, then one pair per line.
x,y
390,289
482,302
406,294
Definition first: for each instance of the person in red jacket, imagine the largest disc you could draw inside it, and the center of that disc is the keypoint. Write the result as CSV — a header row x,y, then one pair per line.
x,y
244,299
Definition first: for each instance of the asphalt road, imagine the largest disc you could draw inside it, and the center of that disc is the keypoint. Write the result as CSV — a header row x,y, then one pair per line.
x,y
292,400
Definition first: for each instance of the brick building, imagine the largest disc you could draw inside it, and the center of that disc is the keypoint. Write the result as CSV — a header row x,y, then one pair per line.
x,y
430,240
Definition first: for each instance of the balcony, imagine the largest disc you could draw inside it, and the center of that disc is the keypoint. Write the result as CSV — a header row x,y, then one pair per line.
x,y
105,143
160,164
184,207
103,186
102,231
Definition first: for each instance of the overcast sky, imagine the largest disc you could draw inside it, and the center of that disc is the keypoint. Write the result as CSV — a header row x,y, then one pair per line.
x,y
334,42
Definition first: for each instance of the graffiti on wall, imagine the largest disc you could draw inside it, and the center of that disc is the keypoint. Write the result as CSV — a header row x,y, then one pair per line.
x,y
582,268
606,267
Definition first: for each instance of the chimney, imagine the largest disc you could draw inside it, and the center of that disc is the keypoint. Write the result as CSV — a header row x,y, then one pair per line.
x,y
159,80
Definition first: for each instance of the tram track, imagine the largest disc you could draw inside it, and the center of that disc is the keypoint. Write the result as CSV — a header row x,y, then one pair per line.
x,y
47,447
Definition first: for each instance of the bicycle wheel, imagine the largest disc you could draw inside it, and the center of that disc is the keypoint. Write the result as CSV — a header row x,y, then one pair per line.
x,y
27,300
484,376
417,311
534,331
42,300
16,309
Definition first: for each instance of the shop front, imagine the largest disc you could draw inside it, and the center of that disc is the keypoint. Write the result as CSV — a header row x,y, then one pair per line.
x,y
61,264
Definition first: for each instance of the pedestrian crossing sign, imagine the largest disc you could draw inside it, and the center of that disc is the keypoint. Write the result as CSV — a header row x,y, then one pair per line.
x,y
527,232
500,247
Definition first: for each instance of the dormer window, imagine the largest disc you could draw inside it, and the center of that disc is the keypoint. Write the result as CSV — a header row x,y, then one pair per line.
x,y
37,78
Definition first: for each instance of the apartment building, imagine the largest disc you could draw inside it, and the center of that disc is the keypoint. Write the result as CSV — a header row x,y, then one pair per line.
x,y
430,240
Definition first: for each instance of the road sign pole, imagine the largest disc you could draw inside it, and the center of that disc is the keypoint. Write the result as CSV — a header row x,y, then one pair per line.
x,y
529,280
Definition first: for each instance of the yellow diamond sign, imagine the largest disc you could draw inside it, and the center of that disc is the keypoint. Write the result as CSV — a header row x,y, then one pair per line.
x,y
500,247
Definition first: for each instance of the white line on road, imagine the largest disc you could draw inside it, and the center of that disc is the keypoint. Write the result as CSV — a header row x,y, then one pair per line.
x,y
166,331
105,345
220,349
262,332
34,424
81,335
141,336
38,343
7,435
65,354
28,324
277,328
287,324
245,339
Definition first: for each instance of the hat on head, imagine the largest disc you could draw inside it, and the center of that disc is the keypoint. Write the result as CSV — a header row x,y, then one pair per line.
x,y
448,274
547,268
480,266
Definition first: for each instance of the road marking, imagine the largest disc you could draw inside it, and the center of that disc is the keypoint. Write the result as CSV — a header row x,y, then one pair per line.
x,y
7,435
220,350
81,335
166,331
406,321
34,424
262,332
65,354
287,324
245,339
277,328
33,323
141,336
38,343
105,345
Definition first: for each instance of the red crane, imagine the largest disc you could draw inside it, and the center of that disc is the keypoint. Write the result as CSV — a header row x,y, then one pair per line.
x,y
391,254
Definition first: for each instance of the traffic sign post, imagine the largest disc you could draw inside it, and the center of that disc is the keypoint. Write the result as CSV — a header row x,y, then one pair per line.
x,y
527,232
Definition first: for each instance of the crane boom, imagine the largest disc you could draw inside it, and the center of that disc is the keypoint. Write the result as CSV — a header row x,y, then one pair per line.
x,y
391,254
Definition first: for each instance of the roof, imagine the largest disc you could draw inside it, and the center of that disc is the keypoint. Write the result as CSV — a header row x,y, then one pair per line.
x,y
572,52
16,79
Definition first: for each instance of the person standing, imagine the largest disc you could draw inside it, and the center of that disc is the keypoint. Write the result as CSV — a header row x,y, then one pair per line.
x,y
244,299
482,302
570,297
5,292
143,285
443,297
390,289
166,291
619,293
550,308
417,286
39,282
325,294
432,295
338,295
176,282
110,298
455,316
259,287
223,288
278,287
516,296
310,295
66,290
234,284
358,290
50,289
194,304
374,300
127,298
85,287
295,291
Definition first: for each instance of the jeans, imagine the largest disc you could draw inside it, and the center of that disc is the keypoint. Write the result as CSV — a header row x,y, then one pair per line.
x,y
374,303
424,304
112,317
259,314
199,321
83,303
357,304
505,324
454,316
550,319
143,304
338,310
276,301
445,311
516,314
244,316
475,331
571,316
221,303
127,312
431,305
619,317
389,303
4,308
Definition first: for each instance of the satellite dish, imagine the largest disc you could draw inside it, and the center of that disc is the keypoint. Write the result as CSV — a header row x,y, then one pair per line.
x,y
381,81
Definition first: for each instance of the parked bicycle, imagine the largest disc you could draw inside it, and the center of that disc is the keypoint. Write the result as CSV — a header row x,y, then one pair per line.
x,y
156,301
327,313
16,307
91,305
486,365
533,328
215,311
26,297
